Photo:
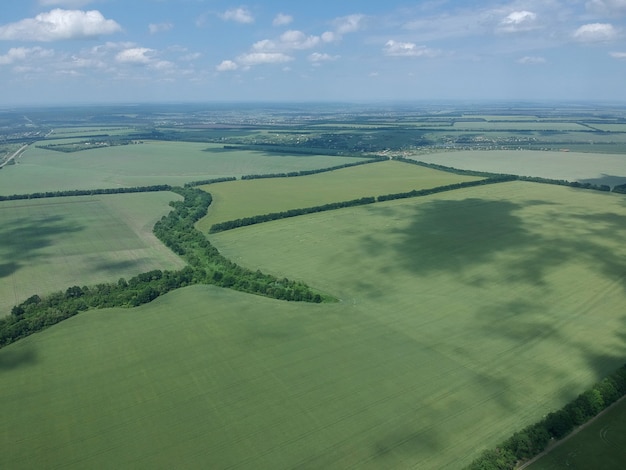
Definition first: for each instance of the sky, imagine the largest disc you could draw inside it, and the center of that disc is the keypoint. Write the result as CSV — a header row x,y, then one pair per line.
x,y
135,51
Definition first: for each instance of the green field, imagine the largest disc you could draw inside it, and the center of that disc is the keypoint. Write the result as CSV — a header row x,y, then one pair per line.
x,y
599,445
518,126
572,166
464,316
150,163
246,198
51,244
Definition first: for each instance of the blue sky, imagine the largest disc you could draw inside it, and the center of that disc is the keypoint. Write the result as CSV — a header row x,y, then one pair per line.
x,y
89,51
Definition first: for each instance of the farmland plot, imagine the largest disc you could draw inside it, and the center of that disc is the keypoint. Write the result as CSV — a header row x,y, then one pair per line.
x,y
51,244
572,166
237,199
146,164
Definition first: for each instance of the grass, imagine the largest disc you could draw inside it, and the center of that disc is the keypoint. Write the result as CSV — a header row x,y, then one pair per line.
x,y
153,162
598,445
464,316
519,126
571,166
52,244
237,199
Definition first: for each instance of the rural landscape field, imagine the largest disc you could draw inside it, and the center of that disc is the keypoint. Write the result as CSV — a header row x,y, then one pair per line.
x,y
394,288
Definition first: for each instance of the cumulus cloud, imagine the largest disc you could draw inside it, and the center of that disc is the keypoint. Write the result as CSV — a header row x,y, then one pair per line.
x,y
227,66
298,40
19,54
318,57
159,27
595,32
135,55
239,15
282,19
407,49
518,21
618,55
258,58
531,60
60,24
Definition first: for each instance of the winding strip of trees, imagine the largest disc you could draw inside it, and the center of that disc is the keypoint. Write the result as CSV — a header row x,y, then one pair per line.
x,y
532,440
371,159
205,266
87,192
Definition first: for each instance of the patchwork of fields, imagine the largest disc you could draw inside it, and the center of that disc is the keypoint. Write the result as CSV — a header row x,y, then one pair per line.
x,y
51,244
463,317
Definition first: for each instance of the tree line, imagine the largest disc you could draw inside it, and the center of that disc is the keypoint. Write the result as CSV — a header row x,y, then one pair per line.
x,y
205,266
312,172
534,179
257,219
87,192
532,440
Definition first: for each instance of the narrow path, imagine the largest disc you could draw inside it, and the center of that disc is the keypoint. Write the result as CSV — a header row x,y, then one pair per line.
x,y
16,154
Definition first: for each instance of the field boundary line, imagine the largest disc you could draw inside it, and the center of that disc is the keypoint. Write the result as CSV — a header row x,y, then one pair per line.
x,y
556,444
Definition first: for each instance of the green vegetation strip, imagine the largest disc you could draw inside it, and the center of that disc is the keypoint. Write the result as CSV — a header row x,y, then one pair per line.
x,y
177,231
532,440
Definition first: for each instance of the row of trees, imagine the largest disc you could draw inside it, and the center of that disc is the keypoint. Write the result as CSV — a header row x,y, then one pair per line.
x,y
257,219
312,172
87,192
177,231
531,441
534,179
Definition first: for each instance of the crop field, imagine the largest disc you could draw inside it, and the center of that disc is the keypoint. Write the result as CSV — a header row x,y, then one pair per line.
x,y
519,126
598,445
572,166
51,244
246,198
463,317
518,285
150,163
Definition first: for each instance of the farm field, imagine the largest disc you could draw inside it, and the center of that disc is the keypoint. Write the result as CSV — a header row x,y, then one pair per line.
x,y
598,445
463,317
51,244
518,126
572,166
246,198
150,163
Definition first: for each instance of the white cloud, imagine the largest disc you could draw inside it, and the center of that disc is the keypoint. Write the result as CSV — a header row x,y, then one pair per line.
x,y
317,57
19,54
349,24
595,32
531,60
239,15
281,19
329,36
258,58
227,66
60,24
191,56
159,27
618,55
518,21
407,49
293,39
135,55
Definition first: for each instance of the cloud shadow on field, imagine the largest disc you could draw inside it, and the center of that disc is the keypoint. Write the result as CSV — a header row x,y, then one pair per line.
x,y
24,239
608,180
13,358
456,236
